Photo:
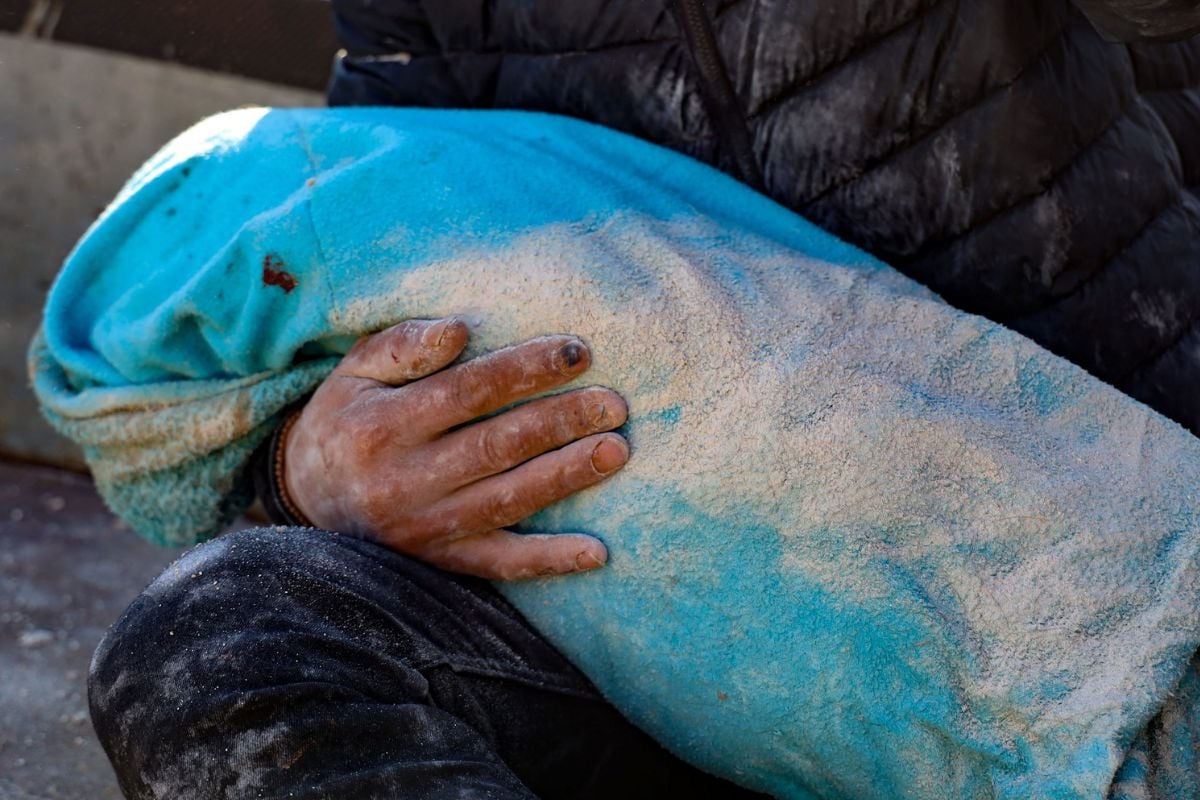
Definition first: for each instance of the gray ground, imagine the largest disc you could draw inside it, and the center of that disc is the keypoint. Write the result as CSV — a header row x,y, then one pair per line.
x,y
68,568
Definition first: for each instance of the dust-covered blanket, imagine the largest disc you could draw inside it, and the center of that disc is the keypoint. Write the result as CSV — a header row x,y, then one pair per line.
x,y
867,546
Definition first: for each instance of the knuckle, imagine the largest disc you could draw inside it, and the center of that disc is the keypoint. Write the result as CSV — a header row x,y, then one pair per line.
x,y
473,389
504,507
496,450
549,421
567,424
570,476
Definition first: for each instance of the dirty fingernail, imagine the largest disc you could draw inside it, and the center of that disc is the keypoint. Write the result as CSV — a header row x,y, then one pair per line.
x,y
596,414
571,354
608,456
587,560
436,333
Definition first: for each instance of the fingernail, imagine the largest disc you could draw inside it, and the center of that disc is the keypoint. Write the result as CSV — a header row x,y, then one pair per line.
x,y
587,560
571,354
596,414
608,456
436,333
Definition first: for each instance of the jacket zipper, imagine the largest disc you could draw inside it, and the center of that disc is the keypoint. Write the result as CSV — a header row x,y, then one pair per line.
x,y
723,105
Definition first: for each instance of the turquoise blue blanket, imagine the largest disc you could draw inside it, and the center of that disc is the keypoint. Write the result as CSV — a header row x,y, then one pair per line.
x,y
866,547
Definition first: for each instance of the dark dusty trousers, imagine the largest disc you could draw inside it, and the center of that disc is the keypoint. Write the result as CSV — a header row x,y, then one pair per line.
x,y
296,663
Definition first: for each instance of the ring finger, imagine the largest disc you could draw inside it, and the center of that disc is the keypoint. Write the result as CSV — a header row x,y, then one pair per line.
x,y
512,438
506,499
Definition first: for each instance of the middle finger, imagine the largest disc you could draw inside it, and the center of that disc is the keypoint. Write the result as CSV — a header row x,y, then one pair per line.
x,y
490,382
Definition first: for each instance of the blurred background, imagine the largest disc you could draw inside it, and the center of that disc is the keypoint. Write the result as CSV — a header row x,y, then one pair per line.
x,y
88,90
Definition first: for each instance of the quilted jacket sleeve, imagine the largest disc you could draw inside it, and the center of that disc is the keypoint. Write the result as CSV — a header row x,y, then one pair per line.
x,y
1144,20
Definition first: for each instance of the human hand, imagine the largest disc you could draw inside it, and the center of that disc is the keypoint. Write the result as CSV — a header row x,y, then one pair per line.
x,y
384,449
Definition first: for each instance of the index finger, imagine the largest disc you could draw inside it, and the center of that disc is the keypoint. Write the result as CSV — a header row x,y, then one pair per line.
x,y
457,395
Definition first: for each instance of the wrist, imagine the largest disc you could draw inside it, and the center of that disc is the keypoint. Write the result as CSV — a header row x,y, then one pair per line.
x,y
277,500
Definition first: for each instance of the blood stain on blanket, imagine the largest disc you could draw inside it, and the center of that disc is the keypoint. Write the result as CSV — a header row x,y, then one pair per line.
x,y
273,275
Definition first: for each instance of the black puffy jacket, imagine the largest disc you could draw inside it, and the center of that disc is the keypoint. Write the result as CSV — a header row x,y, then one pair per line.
x,y
1003,152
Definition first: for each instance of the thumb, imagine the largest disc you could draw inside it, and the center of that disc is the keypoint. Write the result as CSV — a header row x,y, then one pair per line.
x,y
407,351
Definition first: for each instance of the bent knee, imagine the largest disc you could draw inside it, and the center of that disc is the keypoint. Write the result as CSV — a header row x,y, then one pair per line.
x,y
236,614
228,622
192,630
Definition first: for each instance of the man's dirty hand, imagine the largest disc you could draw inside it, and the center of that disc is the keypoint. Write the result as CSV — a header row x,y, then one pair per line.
x,y
392,446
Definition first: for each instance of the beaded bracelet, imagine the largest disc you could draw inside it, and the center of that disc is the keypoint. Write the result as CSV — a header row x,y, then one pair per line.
x,y
279,485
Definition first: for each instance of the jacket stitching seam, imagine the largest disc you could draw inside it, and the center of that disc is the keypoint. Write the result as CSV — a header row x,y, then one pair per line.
x,y
1174,339
974,104
1043,188
1150,362
1109,258
788,92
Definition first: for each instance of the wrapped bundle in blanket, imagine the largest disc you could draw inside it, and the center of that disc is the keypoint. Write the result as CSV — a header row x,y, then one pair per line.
x,y
867,546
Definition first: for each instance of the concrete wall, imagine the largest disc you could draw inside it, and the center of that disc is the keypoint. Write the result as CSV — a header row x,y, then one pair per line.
x,y
74,123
